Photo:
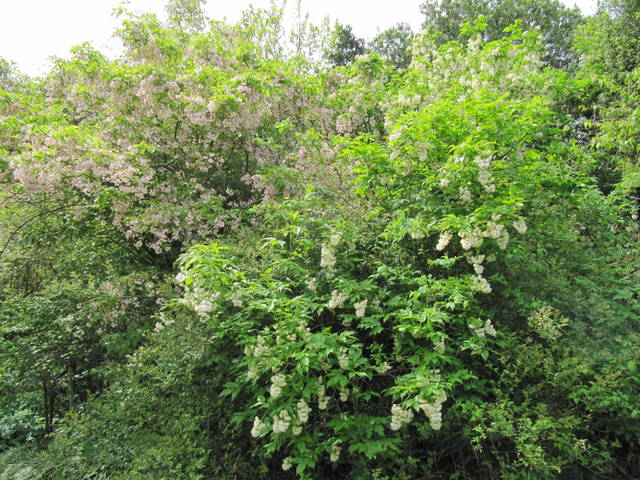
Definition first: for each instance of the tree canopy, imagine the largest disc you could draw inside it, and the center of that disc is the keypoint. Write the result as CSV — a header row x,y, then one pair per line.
x,y
557,23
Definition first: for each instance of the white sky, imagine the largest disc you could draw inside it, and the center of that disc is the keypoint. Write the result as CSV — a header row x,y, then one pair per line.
x,y
32,31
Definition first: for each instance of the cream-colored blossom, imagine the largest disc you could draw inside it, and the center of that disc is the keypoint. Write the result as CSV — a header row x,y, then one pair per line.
x,y
443,241
260,348
303,410
471,239
400,417
337,300
343,358
520,226
482,162
204,307
384,368
433,411
488,328
253,372
334,453
278,382
258,427
328,259
281,422
465,195
503,240
344,394
480,284
323,400
360,308
494,230
312,285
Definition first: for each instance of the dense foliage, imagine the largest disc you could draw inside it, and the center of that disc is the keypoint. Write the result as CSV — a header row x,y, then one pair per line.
x,y
556,22
238,251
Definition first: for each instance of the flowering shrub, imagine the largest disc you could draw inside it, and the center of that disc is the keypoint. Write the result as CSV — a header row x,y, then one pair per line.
x,y
365,339
169,144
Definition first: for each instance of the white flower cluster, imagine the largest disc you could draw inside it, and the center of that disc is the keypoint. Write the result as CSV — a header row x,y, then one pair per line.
x,y
384,368
200,301
439,348
260,348
474,238
484,174
334,453
520,226
236,302
486,329
258,427
344,394
278,382
433,410
280,339
465,195
443,241
312,285
400,417
444,182
253,372
486,179
494,230
497,231
480,284
471,239
395,135
328,254
287,464
204,307
161,323
476,261
303,331
337,300
503,240
360,308
303,410
281,421
417,235
343,125
328,259
323,400
343,358
406,101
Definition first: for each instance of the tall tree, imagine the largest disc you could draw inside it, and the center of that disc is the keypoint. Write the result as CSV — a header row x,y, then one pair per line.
x,y
394,44
188,14
556,22
344,46
610,40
